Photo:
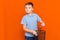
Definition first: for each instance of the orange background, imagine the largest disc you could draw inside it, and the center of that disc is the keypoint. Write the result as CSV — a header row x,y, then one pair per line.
x,y
11,12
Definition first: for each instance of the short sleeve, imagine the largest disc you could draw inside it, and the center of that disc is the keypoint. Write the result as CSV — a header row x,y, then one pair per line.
x,y
38,18
23,21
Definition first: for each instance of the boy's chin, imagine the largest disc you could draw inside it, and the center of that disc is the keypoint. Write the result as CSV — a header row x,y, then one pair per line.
x,y
27,12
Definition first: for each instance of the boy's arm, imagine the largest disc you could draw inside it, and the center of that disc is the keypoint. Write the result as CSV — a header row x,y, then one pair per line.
x,y
28,30
42,23
40,20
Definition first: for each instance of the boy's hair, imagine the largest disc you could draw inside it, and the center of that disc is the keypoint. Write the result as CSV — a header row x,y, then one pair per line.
x,y
29,3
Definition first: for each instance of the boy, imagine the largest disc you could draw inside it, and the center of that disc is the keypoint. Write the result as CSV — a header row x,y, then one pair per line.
x,y
29,22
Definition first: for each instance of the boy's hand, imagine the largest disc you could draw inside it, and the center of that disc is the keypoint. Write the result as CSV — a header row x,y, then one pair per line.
x,y
42,24
34,33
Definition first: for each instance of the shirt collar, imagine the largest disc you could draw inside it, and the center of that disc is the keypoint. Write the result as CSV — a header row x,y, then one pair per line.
x,y
31,15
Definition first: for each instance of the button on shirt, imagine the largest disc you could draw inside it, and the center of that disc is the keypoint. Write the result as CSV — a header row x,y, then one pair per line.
x,y
30,22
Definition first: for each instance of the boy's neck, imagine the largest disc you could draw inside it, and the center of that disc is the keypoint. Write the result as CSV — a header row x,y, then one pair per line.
x,y
30,14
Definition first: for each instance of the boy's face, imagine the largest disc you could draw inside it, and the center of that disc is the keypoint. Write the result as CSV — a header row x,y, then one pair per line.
x,y
28,8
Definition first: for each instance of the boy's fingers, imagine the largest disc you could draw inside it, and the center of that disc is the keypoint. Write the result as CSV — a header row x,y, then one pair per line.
x,y
35,34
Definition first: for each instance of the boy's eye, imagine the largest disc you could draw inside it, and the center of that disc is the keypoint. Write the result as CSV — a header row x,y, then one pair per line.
x,y
27,8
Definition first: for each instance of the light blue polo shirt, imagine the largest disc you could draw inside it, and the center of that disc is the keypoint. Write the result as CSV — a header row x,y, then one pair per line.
x,y
30,22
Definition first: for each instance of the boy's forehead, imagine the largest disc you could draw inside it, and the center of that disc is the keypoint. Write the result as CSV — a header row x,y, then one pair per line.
x,y
28,5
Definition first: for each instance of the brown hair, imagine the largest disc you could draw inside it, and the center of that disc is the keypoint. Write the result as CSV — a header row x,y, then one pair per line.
x,y
29,3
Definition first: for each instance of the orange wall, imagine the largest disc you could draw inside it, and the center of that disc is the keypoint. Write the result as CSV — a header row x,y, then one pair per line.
x,y
11,12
